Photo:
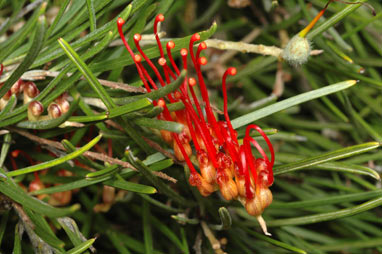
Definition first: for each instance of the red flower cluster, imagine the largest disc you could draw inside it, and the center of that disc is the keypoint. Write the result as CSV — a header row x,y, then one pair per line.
x,y
224,164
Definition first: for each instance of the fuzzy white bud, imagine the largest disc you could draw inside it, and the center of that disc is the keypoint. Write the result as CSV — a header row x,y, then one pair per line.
x,y
297,50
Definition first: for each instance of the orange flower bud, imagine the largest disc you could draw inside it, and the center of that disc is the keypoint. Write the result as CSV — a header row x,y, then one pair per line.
x,y
254,206
228,189
178,153
166,136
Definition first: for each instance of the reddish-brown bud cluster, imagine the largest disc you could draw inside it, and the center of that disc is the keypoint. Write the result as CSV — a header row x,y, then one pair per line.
x,y
224,164
35,108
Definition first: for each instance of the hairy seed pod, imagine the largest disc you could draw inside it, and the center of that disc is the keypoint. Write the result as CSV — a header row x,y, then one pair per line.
x,y
297,50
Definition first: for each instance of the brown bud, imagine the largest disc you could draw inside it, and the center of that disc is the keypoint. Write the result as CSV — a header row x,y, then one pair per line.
x,y
54,111
228,189
35,109
60,198
30,91
15,88
64,105
178,153
108,194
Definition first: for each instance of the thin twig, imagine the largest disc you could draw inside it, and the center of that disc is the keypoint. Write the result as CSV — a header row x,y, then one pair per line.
x,y
41,74
89,154
249,48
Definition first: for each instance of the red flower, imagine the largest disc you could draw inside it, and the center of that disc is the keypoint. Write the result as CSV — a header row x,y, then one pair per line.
x,y
224,164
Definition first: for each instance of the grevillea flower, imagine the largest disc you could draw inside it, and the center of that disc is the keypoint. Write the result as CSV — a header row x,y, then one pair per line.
x,y
223,163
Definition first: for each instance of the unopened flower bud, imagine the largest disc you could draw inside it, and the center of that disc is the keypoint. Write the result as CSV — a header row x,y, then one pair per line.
x,y
297,50
207,169
30,91
240,184
108,194
253,206
228,189
166,136
54,111
205,188
178,153
60,198
265,197
35,109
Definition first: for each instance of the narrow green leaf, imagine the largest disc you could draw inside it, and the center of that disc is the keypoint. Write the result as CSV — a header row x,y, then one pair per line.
x,y
84,69
328,200
3,224
326,157
147,234
159,124
81,247
155,94
58,17
17,239
287,103
10,105
274,241
130,186
71,229
43,230
57,161
114,112
5,148
158,183
92,16
334,19
327,216
15,193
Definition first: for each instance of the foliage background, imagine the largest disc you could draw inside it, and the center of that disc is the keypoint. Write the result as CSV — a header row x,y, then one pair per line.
x,y
321,205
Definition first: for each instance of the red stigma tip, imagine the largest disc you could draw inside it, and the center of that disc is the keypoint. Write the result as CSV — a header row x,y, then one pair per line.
x,y
161,61
192,81
120,22
15,153
184,52
232,71
202,60
161,103
159,18
137,37
203,45
195,37
137,58
170,44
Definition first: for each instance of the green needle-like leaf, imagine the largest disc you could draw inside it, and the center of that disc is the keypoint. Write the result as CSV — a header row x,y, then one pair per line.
x,y
330,156
293,101
57,161
84,69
